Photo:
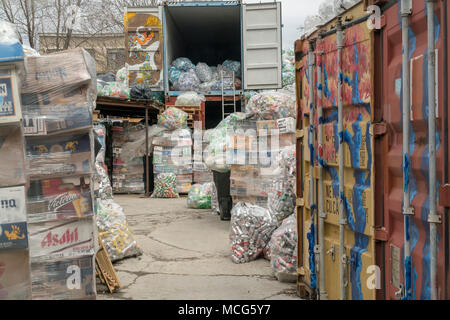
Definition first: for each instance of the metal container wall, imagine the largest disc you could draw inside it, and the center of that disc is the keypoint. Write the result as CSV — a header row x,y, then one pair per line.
x,y
391,233
358,162
373,175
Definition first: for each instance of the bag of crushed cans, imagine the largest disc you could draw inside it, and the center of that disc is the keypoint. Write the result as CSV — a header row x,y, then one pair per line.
x,y
272,105
187,81
183,64
234,66
173,118
203,72
282,250
201,196
166,186
250,231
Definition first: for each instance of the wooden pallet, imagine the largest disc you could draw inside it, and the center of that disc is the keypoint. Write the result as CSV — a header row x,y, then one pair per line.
x,y
105,270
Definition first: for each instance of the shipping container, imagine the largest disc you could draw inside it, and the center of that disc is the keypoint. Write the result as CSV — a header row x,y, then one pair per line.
x,y
209,32
370,231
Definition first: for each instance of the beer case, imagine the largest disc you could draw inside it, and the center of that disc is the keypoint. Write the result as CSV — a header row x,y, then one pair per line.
x,y
59,199
10,107
61,239
59,156
12,156
64,279
12,205
15,282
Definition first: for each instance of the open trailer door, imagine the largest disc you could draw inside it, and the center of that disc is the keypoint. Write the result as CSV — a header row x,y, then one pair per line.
x,y
261,35
144,46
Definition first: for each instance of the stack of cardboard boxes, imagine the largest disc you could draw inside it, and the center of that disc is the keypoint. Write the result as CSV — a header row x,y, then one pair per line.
x,y
57,95
15,280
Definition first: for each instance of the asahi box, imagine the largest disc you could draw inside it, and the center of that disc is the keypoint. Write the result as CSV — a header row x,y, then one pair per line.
x,y
62,155
67,279
59,199
61,239
15,282
62,111
10,109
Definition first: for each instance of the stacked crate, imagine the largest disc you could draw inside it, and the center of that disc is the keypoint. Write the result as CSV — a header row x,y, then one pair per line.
x,y
128,173
57,95
15,280
255,148
172,153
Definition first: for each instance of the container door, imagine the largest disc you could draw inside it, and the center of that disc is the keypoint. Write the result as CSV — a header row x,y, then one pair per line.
x,y
144,46
261,34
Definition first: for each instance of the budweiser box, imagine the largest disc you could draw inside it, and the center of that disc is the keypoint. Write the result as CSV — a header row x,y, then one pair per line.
x,y
61,239
15,282
62,155
10,109
66,279
12,156
56,71
59,199
56,112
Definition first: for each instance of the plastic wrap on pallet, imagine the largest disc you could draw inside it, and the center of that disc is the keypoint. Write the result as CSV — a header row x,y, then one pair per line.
x,y
203,72
59,199
15,281
57,279
250,231
272,105
62,155
173,118
102,184
116,235
188,81
62,239
165,186
183,64
283,250
190,98
12,153
137,147
200,196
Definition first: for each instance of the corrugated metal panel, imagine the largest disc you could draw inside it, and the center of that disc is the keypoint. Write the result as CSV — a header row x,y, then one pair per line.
x,y
144,46
358,164
392,144
262,45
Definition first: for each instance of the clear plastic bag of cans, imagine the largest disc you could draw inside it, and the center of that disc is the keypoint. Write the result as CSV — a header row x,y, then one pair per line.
x,y
183,64
282,250
272,105
201,196
165,186
114,230
190,98
250,231
188,81
203,72
173,118
234,66
174,74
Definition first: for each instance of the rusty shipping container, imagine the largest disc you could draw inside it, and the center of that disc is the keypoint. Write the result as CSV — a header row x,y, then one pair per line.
x,y
371,226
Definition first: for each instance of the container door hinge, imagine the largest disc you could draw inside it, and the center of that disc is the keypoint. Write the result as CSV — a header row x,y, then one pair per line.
x,y
444,196
379,129
331,252
381,234
436,218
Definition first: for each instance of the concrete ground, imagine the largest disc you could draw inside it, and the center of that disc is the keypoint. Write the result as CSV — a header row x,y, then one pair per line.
x,y
187,257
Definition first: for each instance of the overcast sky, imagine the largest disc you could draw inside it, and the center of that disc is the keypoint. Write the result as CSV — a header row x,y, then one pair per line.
x,y
294,13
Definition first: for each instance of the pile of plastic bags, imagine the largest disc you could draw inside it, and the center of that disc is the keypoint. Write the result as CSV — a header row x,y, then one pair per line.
x,y
165,186
185,76
202,196
250,232
190,98
282,250
113,85
173,118
272,105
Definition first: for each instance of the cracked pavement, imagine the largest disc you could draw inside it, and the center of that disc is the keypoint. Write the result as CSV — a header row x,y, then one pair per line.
x,y
187,257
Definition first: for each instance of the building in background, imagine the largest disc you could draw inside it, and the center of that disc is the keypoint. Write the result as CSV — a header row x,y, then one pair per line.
x,y
108,49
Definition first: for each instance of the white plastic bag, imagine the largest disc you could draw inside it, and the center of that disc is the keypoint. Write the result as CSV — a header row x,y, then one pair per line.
x,y
190,98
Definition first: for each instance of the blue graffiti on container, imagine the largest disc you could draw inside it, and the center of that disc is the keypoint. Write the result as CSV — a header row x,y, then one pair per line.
x,y
311,243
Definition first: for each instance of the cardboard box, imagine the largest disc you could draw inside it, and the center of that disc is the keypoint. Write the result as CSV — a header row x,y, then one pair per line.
x,y
15,282
10,108
56,112
13,236
62,239
65,155
56,71
12,205
55,280
59,199
12,155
